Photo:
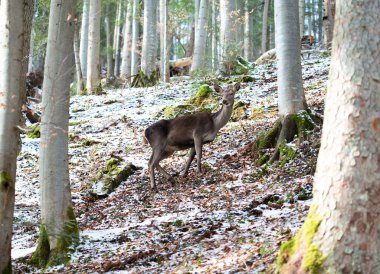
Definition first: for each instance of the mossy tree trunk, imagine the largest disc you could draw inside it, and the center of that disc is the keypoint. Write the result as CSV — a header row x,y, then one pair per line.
x,y
14,18
345,206
57,217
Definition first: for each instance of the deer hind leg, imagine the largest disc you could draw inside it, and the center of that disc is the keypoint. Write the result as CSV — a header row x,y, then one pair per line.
x,y
188,163
198,151
158,155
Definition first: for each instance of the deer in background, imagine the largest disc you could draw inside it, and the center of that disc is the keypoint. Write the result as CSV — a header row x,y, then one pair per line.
x,y
187,131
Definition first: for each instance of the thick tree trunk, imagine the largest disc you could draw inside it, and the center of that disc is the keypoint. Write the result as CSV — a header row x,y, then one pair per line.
x,y
200,37
301,6
328,21
164,60
78,68
125,69
264,32
83,48
135,58
93,63
149,45
341,233
13,66
109,38
58,225
227,37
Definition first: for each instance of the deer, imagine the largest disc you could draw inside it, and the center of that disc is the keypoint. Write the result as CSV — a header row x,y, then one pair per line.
x,y
189,131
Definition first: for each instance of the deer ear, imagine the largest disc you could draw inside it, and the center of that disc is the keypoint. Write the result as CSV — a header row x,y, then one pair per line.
x,y
237,86
217,87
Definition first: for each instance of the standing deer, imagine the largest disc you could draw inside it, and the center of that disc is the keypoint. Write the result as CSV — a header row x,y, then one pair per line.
x,y
188,131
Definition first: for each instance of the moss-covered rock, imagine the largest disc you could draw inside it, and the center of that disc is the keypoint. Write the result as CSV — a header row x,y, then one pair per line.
x,y
35,132
205,99
171,112
110,177
239,111
312,259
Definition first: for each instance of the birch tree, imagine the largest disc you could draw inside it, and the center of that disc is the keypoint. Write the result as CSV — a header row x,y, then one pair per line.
x,y
341,232
93,62
58,228
125,69
200,37
135,58
149,43
13,66
83,48
164,60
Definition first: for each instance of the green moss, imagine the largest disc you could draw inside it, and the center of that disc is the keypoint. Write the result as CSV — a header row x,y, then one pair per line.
x,y
75,110
41,255
88,142
74,123
7,269
5,181
171,112
269,138
141,80
204,99
313,258
263,159
36,132
287,153
239,111
204,91
304,123
246,79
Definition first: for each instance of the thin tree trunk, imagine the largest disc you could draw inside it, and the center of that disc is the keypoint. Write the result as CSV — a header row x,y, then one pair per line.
x,y
227,37
164,64
214,45
200,37
247,31
83,48
117,35
320,21
78,68
302,16
93,63
149,46
264,32
135,38
341,233
109,36
328,19
125,69
13,20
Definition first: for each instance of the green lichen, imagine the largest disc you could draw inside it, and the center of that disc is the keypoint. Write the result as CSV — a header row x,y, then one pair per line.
x,y
5,180
313,258
41,255
287,153
36,132
304,123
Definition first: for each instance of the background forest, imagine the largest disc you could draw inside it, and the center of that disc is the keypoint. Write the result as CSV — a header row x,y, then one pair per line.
x,y
104,105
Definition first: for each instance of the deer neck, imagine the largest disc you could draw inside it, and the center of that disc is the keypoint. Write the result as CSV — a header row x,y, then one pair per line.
x,y
222,116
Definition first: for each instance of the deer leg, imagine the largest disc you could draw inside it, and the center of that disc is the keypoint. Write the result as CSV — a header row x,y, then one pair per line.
x,y
198,151
188,163
166,174
151,173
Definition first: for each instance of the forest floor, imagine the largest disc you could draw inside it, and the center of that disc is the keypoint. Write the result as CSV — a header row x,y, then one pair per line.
x,y
230,219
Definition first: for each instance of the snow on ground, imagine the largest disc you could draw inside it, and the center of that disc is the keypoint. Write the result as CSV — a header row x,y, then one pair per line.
x,y
229,219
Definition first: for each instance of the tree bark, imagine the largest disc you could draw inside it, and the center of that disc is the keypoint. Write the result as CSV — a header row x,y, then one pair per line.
x,y
125,69
248,50
164,60
328,19
57,217
149,45
78,68
117,37
200,37
135,58
83,48
214,39
301,6
344,217
93,63
227,36
13,36
109,36
264,32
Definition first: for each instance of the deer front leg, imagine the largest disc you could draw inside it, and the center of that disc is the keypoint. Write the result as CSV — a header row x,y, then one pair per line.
x,y
166,174
151,173
198,151
188,163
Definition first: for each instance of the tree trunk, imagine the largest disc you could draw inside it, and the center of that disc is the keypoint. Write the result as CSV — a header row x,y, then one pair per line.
x,y
109,36
341,233
164,64
13,36
125,69
248,51
214,41
200,37
135,37
320,21
264,33
93,62
58,229
117,37
301,7
328,19
149,45
227,37
83,48
78,68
